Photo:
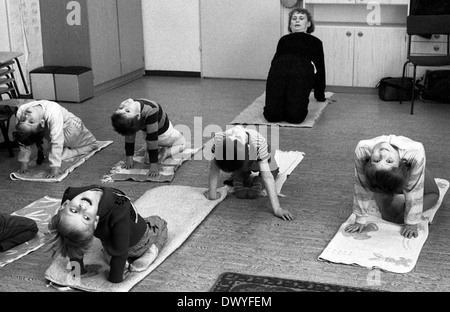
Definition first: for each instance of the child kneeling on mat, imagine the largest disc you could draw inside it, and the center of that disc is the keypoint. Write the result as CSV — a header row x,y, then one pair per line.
x,y
390,173
242,151
130,242
162,139
66,134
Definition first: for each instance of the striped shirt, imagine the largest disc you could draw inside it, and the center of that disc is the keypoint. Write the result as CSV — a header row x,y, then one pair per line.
x,y
414,154
258,147
154,121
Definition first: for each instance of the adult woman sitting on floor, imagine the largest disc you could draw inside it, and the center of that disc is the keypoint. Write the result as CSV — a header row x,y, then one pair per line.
x,y
297,67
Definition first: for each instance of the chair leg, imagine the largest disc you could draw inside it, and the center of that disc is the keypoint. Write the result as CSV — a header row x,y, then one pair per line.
x,y
8,143
403,81
413,89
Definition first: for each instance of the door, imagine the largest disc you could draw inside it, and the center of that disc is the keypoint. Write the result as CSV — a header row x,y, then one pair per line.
x,y
238,37
338,45
131,35
379,52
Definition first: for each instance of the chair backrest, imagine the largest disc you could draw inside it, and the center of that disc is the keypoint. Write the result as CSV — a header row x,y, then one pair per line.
x,y
428,24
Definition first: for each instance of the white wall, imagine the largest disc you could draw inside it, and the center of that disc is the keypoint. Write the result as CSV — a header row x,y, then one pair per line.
x,y
171,35
20,31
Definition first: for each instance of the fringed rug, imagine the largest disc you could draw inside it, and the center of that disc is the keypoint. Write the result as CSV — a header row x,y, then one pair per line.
x,y
139,172
237,282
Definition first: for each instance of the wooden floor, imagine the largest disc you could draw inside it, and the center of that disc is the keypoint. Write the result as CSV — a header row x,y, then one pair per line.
x,y
243,235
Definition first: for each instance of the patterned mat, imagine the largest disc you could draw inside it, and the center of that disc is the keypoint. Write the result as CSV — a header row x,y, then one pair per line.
x,y
237,282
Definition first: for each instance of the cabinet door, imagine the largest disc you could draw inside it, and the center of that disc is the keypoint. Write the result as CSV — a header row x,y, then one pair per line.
x,y
338,45
403,2
104,40
131,35
379,52
330,1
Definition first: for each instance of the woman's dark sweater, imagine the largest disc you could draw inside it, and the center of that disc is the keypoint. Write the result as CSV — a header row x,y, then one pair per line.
x,y
306,47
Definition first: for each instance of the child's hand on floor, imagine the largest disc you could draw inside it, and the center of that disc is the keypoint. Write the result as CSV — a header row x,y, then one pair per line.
x,y
153,172
54,171
283,214
211,197
410,230
355,228
23,167
128,162
91,270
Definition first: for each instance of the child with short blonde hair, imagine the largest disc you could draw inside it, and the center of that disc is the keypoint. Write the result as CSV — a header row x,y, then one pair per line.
x,y
130,242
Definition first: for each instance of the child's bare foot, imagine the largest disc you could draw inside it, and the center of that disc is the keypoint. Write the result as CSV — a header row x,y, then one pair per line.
x,y
143,262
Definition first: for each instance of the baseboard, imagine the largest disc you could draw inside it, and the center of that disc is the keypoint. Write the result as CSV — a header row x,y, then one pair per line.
x,y
172,73
362,90
109,85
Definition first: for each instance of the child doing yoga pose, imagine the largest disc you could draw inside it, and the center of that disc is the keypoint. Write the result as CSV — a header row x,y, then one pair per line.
x,y
130,242
390,172
242,151
162,139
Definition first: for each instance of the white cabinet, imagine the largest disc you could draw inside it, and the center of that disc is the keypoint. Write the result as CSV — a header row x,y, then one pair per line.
x,y
402,2
361,56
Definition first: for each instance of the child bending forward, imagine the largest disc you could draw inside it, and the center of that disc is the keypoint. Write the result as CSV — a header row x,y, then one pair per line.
x,y
390,172
66,134
130,242
242,151
162,139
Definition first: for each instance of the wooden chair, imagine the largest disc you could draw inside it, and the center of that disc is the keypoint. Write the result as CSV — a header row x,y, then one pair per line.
x,y
8,84
421,25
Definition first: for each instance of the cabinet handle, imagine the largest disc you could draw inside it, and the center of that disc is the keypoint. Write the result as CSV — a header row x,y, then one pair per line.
x,y
436,48
348,33
360,34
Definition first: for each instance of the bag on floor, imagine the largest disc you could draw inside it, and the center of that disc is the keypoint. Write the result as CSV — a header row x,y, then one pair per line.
x,y
435,86
390,89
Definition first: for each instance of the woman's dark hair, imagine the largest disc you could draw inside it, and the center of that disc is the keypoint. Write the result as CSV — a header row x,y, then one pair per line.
x,y
124,125
66,241
386,181
238,160
311,28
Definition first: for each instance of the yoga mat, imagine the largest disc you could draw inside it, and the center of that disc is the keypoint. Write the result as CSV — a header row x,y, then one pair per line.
x,y
40,211
287,162
139,172
37,173
381,245
183,207
253,114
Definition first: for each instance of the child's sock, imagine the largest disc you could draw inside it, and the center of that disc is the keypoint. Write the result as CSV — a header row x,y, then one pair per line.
x,y
255,190
239,190
144,261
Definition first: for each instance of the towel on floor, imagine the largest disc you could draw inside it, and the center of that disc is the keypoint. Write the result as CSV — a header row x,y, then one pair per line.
x,y
41,212
253,114
183,207
38,173
140,170
287,162
381,245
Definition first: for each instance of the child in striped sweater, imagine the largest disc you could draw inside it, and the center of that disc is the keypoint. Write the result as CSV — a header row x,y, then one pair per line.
x,y
390,172
162,139
242,151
